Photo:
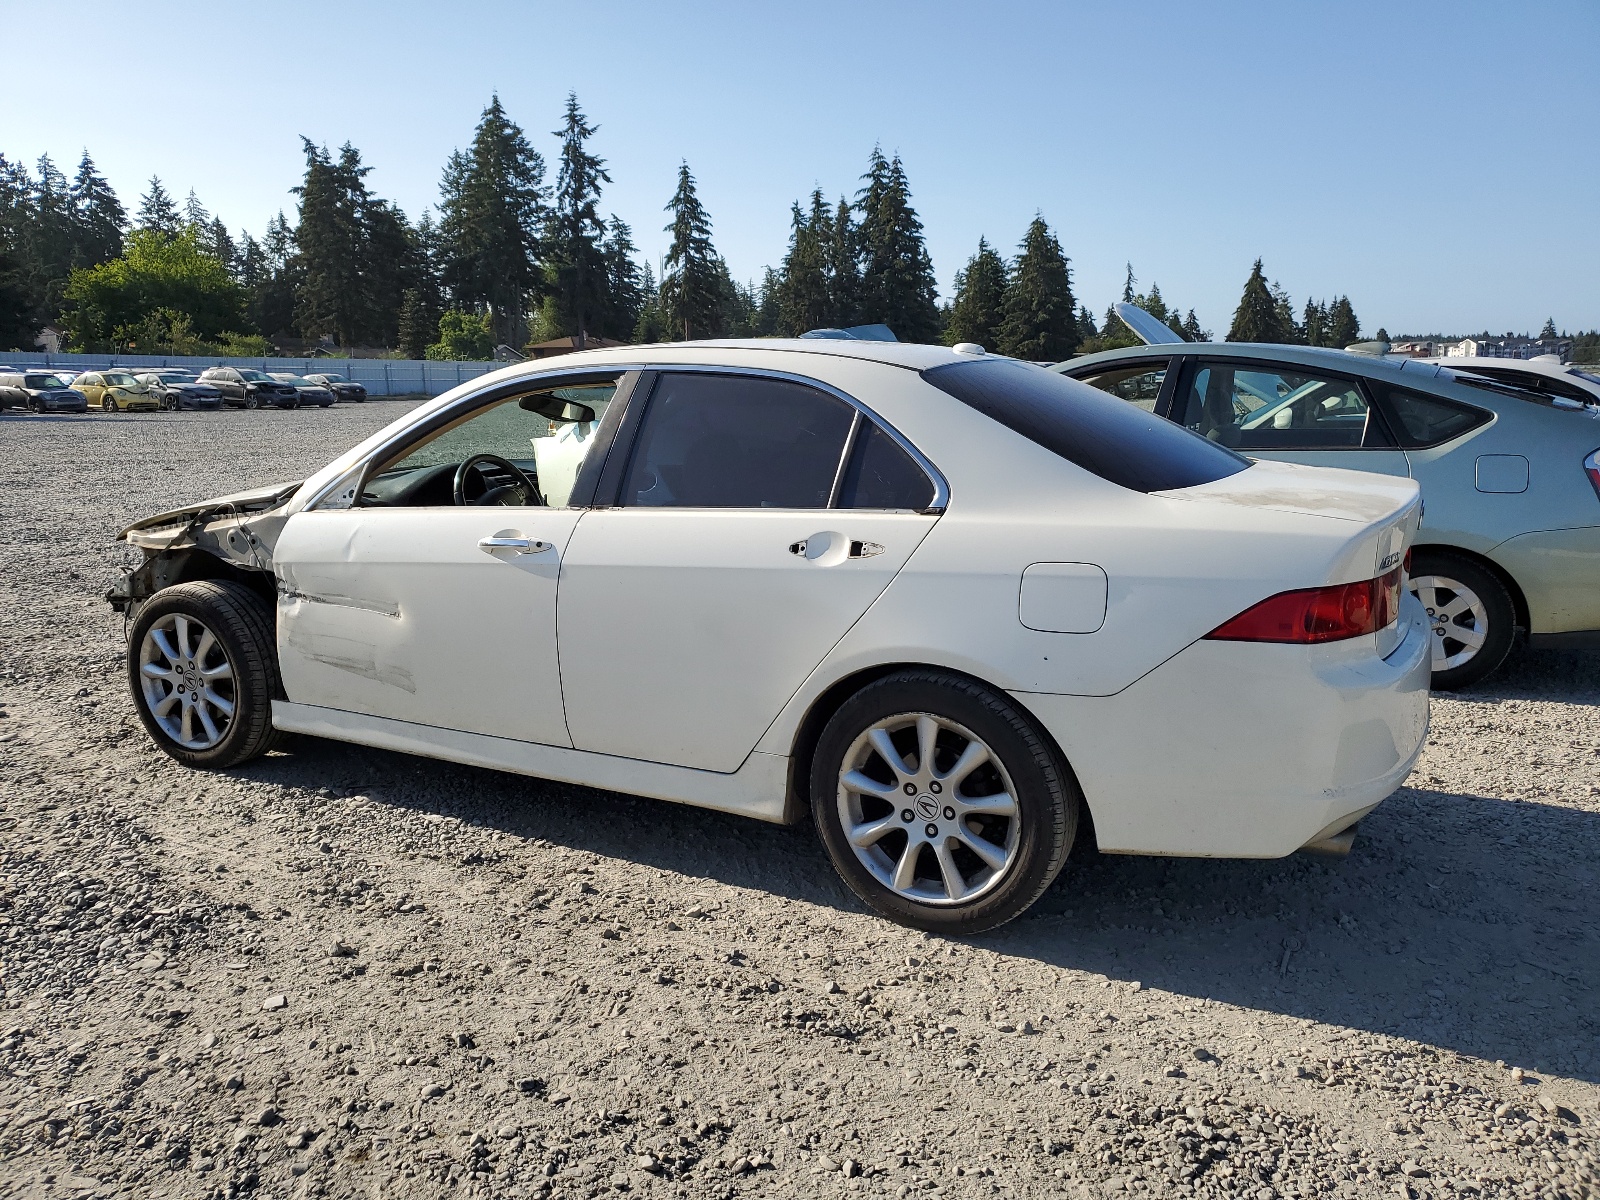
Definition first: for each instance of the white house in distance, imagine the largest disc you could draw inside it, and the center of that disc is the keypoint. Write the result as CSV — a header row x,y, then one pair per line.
x,y
1507,347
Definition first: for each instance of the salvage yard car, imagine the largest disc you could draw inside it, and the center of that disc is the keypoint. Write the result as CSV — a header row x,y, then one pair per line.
x,y
245,388
310,391
961,608
40,392
116,391
346,390
178,389
1510,540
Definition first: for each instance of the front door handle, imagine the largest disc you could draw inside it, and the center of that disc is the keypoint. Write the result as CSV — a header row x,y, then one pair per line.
x,y
516,545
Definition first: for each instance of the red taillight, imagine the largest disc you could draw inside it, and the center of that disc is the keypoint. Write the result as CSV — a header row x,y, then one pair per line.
x,y
1325,614
1591,467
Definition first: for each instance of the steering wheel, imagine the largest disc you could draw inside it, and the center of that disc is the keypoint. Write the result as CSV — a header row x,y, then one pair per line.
x,y
515,494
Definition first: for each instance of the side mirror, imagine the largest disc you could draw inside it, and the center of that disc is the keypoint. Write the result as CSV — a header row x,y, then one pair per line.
x,y
553,408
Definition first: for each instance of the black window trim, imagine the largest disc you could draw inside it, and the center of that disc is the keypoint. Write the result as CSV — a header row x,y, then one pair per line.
x,y
1375,409
609,493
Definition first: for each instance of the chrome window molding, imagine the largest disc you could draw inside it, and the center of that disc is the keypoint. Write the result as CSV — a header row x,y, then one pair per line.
x,y
351,481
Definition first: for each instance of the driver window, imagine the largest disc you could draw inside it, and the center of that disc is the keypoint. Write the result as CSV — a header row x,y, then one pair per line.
x,y
544,435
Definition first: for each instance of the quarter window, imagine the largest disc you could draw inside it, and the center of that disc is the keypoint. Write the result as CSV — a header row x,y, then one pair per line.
x,y
1137,383
882,475
1250,407
736,441
1422,421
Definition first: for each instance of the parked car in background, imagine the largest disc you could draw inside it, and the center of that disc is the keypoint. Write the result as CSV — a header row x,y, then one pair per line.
x,y
244,388
1510,539
948,602
181,389
310,393
116,391
40,392
346,390
1547,374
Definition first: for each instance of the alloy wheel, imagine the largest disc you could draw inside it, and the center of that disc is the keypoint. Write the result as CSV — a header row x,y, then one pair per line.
x,y
187,681
1458,617
929,809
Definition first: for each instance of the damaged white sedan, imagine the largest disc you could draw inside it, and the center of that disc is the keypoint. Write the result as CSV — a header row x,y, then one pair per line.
x,y
961,610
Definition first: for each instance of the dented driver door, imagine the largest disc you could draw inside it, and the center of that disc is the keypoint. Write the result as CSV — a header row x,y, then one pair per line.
x,y
439,616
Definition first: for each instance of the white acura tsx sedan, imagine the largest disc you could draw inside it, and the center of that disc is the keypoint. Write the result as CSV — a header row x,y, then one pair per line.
x,y
962,610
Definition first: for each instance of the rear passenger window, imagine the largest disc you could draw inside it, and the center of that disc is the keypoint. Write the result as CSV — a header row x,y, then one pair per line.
x,y
1137,383
1421,421
1259,407
882,475
736,441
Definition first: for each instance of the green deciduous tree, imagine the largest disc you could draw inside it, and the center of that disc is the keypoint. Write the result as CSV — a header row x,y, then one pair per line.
x,y
155,273
978,309
464,336
897,283
492,215
1040,321
692,290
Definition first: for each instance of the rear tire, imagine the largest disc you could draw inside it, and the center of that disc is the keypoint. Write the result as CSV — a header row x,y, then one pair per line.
x,y
203,670
957,844
1472,621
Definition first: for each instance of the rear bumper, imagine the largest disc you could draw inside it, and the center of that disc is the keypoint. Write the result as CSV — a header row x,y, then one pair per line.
x,y
1558,571
1246,750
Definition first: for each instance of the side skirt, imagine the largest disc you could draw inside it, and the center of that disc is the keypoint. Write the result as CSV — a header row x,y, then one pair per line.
x,y
756,789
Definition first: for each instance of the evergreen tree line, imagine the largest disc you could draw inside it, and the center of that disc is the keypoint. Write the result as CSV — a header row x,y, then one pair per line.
x,y
514,258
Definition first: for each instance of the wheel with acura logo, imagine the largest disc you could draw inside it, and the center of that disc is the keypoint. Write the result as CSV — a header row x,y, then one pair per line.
x,y
203,670
942,805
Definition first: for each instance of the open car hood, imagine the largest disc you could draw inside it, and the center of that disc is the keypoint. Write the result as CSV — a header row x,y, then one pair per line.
x,y
236,504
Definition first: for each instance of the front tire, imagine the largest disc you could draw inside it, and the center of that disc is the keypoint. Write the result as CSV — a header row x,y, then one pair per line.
x,y
107,404
203,670
1472,622
942,806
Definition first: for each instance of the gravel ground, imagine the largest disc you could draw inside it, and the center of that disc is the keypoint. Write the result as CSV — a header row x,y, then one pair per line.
x,y
344,972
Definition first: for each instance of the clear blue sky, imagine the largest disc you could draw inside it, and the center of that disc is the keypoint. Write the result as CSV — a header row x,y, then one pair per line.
x,y
1435,161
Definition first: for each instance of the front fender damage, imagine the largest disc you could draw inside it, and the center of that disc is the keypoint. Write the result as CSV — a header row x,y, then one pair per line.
x,y
231,537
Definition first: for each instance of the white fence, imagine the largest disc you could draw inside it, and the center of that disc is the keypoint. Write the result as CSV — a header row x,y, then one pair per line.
x,y
382,376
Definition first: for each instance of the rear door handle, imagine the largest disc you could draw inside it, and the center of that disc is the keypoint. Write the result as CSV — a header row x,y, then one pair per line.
x,y
517,545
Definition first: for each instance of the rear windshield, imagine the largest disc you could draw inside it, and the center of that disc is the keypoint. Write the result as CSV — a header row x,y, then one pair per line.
x,y
1100,433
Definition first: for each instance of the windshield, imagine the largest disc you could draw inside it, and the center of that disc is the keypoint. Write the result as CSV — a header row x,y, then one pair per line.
x,y
42,383
331,378
119,379
1586,375
256,376
295,380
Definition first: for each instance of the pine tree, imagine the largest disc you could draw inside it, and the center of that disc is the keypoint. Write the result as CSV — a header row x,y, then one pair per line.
x,y
1191,329
576,267
897,284
1040,313
651,327
220,243
1285,305
769,322
21,300
491,220
418,324
690,289
331,299
1343,328
49,235
625,282
979,306
844,268
805,296
157,212
1086,326
98,218
391,265
1258,318
1548,332
1314,323
195,215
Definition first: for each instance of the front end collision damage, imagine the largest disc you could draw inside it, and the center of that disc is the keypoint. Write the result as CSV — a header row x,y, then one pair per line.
x,y
229,537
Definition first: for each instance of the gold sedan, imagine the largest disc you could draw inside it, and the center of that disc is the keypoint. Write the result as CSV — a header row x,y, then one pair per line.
x,y
116,391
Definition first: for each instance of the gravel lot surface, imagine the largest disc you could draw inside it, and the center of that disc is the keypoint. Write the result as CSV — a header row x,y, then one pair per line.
x,y
344,972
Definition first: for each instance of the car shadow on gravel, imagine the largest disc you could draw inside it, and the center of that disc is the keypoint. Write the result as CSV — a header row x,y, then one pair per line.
x,y
1458,920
